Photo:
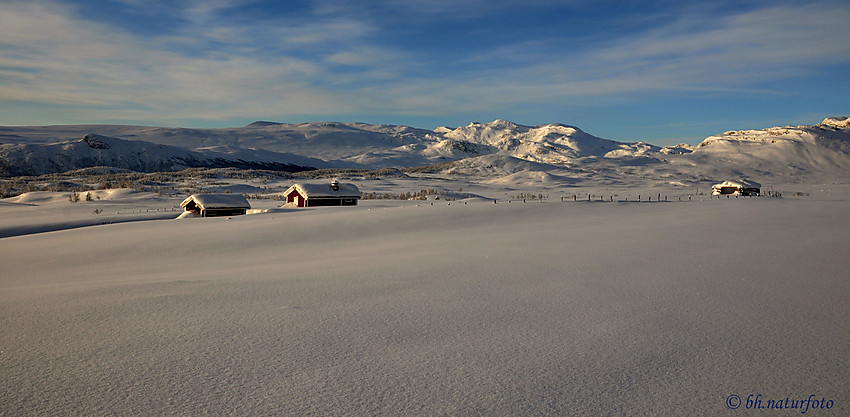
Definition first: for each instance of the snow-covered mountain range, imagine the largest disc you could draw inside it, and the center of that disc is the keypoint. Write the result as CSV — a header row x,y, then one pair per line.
x,y
499,148
135,155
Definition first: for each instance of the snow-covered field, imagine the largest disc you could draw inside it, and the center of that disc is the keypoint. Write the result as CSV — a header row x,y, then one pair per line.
x,y
407,308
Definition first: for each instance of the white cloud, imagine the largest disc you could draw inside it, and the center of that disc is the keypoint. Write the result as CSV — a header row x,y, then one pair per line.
x,y
693,53
468,9
217,68
731,52
98,72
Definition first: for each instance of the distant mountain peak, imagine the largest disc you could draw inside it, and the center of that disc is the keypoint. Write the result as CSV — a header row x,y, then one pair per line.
x,y
96,141
560,125
498,123
263,123
837,122
503,123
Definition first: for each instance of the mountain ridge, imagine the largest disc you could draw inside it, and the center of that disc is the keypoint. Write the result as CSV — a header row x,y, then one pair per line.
x,y
561,148
94,150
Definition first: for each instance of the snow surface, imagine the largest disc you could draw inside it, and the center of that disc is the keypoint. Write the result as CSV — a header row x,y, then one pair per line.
x,y
415,308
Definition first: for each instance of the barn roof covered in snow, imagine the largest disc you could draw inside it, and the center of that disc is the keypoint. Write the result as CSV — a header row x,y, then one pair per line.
x,y
214,201
325,190
741,183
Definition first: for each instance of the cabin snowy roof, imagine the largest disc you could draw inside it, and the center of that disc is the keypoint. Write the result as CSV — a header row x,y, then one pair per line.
x,y
324,190
215,201
739,184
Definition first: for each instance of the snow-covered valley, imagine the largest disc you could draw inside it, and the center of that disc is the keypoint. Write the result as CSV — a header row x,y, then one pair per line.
x,y
407,308
609,282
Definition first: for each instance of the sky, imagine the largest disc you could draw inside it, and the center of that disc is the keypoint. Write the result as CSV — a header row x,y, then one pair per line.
x,y
662,72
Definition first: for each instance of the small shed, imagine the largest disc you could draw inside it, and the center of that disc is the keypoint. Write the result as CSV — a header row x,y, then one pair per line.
x,y
334,193
738,187
210,205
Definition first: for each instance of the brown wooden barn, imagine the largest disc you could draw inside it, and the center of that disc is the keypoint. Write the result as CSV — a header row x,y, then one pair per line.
x,y
211,205
318,195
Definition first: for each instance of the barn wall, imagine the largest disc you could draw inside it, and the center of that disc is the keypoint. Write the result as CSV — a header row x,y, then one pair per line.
x,y
291,198
324,202
191,206
224,212
333,201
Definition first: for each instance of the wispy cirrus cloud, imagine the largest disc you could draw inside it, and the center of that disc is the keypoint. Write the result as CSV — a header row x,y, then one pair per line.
x,y
331,58
96,72
736,49
725,53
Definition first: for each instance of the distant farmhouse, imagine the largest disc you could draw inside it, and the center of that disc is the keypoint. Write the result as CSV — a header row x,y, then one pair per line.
x,y
316,195
739,187
211,205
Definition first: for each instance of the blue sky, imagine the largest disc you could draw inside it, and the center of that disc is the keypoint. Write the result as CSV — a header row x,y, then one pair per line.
x,y
657,71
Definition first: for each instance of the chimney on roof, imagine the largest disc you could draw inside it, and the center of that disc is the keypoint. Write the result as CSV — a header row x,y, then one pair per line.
x,y
335,185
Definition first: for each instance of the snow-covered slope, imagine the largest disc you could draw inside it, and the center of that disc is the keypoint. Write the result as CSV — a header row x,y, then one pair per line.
x,y
837,122
797,150
319,144
97,150
94,150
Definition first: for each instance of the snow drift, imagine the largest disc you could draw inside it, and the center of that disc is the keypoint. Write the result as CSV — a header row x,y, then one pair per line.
x,y
478,309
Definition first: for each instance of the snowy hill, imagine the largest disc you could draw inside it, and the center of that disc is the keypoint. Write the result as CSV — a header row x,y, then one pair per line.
x,y
96,150
318,144
796,150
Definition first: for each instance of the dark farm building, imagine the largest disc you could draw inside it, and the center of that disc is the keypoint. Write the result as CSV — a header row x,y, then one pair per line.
x,y
210,205
739,187
318,195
